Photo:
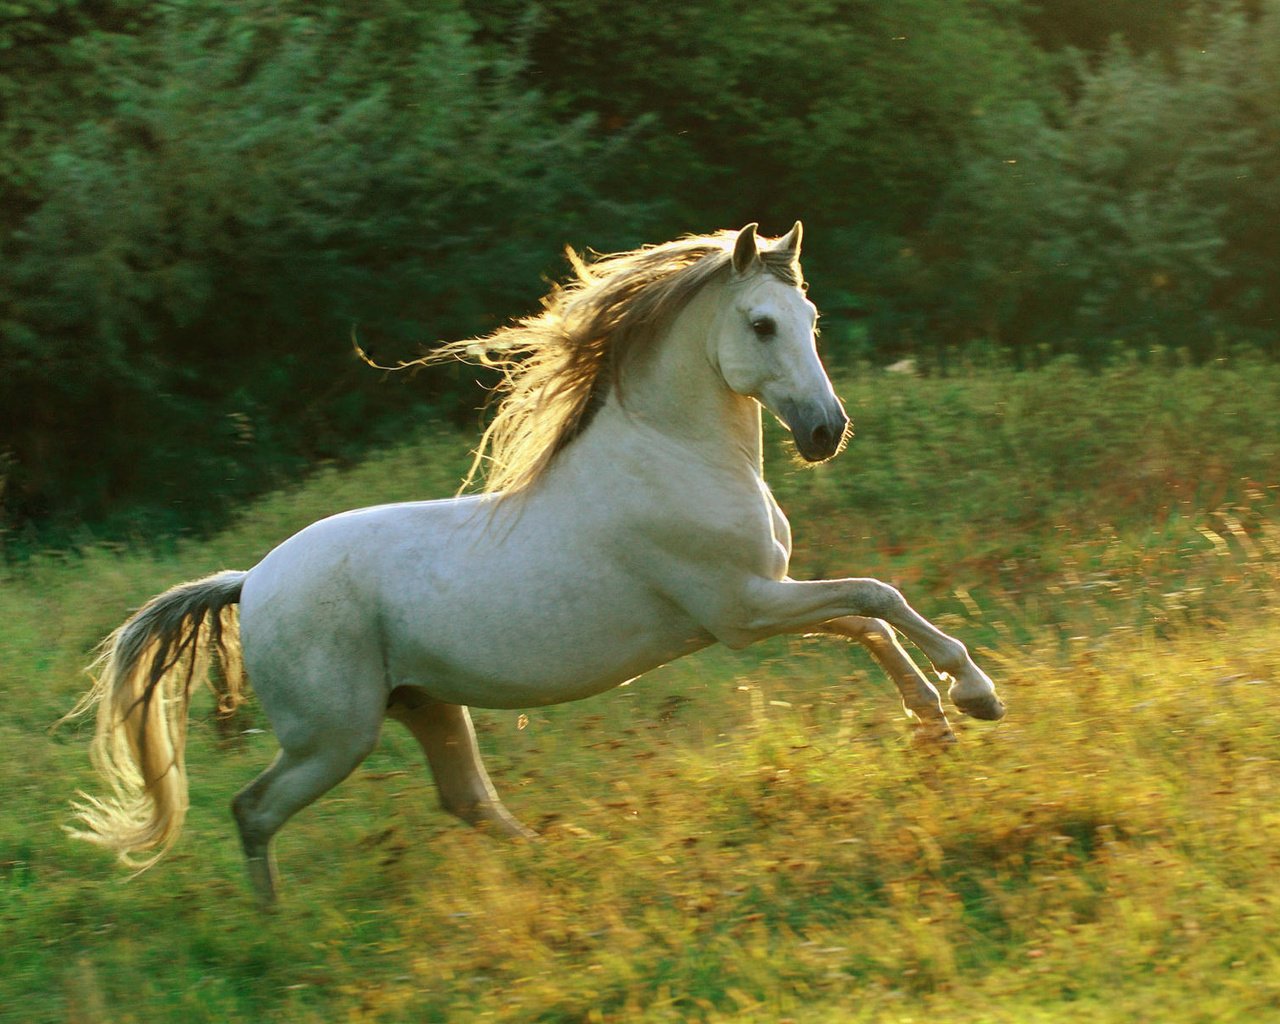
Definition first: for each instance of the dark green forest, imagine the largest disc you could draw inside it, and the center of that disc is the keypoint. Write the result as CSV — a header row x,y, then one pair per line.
x,y
203,202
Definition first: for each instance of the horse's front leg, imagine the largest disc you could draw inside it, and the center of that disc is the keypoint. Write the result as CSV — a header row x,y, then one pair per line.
x,y
770,607
919,697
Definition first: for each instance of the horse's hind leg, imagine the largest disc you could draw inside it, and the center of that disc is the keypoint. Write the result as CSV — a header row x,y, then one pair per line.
x,y
919,696
447,737
306,767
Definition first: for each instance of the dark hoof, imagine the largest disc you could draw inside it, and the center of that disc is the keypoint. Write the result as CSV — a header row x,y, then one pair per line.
x,y
988,709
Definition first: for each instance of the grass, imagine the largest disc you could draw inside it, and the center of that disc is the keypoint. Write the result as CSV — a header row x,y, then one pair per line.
x,y
754,837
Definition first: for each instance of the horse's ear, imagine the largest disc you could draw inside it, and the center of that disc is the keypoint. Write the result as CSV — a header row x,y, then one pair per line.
x,y
745,253
790,242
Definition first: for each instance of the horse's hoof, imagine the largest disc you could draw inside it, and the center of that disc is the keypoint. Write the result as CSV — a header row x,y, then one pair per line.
x,y
988,708
934,741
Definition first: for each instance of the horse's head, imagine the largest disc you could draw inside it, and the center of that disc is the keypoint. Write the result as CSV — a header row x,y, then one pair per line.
x,y
765,345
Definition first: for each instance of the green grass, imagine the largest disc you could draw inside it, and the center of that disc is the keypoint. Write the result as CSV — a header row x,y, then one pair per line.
x,y
754,837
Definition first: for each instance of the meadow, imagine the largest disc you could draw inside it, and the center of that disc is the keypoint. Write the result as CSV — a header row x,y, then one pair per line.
x,y
753,836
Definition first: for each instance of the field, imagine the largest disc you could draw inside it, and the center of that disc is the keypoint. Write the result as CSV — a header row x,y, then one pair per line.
x,y
754,837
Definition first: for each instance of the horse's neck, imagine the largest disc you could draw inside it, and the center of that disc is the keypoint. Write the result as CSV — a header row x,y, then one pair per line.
x,y
671,387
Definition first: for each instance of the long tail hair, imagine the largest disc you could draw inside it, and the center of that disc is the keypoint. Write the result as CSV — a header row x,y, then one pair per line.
x,y
144,676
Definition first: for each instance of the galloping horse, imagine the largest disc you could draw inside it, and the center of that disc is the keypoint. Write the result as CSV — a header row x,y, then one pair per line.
x,y
625,522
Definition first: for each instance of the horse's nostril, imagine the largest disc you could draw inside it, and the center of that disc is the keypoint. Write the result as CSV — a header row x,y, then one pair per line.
x,y
821,437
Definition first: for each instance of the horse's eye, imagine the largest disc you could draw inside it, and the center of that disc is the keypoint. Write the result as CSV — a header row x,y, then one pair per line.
x,y
764,327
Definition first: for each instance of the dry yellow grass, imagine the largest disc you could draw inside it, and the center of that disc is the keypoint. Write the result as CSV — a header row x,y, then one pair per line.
x,y
1108,853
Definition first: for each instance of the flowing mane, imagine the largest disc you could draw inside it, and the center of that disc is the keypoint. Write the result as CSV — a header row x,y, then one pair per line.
x,y
552,362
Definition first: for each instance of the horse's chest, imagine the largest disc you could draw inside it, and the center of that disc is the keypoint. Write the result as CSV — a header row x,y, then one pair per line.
x,y
760,541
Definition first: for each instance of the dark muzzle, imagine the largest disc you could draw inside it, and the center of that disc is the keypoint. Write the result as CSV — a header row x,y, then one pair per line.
x,y
818,430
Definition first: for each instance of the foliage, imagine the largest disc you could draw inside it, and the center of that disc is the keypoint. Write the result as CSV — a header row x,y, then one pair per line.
x,y
238,191
751,837
1082,25
1118,218
202,200
781,109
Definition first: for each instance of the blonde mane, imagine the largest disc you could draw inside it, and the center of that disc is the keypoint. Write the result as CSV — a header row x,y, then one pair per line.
x,y
552,363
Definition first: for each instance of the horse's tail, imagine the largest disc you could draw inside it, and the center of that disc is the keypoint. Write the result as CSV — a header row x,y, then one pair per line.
x,y
143,679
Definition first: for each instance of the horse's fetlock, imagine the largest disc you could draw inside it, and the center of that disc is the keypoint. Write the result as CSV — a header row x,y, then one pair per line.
x,y
957,661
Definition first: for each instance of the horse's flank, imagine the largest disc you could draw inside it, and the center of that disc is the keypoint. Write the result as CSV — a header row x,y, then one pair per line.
x,y
554,364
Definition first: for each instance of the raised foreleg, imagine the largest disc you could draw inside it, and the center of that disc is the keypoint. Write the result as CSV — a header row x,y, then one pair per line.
x,y
919,697
770,607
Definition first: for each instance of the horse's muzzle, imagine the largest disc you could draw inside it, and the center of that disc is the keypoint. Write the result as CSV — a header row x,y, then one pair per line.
x,y
818,431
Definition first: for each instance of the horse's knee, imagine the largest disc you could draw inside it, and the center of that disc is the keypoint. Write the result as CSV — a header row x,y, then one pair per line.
x,y
885,602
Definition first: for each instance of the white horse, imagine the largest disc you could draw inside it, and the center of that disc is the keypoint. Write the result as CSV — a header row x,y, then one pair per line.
x,y
627,523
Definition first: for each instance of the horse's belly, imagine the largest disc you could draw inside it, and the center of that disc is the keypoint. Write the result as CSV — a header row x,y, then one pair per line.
x,y
525,687
508,654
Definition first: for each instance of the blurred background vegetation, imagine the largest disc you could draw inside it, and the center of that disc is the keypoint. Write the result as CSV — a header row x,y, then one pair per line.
x,y
202,200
